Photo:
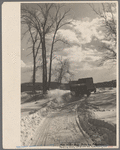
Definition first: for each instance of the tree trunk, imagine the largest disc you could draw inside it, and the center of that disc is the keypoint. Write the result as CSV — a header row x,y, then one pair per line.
x,y
34,74
60,80
51,60
44,67
50,71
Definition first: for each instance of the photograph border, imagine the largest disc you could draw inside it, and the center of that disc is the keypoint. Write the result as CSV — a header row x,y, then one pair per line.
x,y
11,74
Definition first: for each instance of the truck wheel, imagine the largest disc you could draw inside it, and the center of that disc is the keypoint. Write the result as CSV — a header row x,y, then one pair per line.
x,y
81,95
88,93
77,94
95,91
72,93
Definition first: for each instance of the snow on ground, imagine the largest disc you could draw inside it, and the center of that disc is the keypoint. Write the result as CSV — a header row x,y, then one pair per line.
x,y
97,116
34,112
31,107
56,97
107,116
57,94
29,124
102,105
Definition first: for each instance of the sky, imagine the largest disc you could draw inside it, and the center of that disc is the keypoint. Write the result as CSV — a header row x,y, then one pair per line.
x,y
85,37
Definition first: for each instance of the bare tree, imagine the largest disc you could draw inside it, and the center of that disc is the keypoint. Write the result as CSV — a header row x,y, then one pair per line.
x,y
46,20
107,14
38,21
58,22
62,70
34,39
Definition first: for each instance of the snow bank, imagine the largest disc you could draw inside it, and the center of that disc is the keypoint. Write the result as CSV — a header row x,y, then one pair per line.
x,y
109,89
23,94
31,122
56,96
56,93
109,116
101,132
97,117
29,125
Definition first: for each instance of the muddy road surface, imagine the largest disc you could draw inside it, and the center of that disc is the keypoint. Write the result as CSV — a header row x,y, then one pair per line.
x,y
61,128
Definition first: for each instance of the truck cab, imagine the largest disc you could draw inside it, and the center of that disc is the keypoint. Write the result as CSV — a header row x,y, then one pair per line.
x,y
82,86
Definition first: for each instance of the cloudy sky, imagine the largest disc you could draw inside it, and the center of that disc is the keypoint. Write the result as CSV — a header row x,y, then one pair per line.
x,y
85,37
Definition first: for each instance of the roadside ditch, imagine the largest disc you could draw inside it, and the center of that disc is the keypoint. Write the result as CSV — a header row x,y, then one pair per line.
x,y
101,133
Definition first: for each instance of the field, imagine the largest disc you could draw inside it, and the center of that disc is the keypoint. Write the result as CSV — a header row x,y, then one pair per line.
x,y
73,120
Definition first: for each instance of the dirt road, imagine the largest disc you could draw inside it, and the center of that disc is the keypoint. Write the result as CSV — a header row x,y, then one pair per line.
x,y
62,126
59,128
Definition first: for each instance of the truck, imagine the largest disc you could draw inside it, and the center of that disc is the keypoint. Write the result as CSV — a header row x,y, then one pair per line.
x,y
82,86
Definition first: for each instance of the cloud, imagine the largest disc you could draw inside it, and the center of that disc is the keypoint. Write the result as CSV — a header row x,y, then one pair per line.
x,y
26,68
82,31
99,75
80,59
78,54
86,30
68,35
28,65
23,64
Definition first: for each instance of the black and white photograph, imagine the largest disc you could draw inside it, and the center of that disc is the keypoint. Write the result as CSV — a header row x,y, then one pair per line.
x,y
69,74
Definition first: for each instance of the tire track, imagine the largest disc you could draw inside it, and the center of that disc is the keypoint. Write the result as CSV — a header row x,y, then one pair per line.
x,y
61,126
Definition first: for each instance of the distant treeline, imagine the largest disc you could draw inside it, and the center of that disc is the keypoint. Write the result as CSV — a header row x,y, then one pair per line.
x,y
106,84
63,86
38,86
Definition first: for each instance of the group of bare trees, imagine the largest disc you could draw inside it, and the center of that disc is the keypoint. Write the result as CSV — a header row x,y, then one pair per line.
x,y
62,70
45,20
107,12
